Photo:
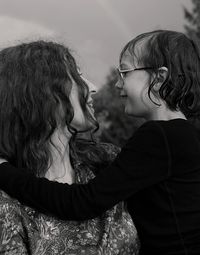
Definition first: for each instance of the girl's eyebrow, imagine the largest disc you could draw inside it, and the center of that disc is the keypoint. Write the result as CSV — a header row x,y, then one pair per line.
x,y
123,66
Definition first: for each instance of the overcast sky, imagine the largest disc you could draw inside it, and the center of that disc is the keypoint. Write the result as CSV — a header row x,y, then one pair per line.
x,y
96,30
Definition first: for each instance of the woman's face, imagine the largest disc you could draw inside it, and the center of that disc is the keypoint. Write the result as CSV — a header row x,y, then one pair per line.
x,y
80,121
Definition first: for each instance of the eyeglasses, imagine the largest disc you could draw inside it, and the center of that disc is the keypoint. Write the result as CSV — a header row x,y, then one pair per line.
x,y
122,73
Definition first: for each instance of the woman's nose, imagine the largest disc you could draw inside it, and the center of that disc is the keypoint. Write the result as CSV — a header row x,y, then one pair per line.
x,y
91,86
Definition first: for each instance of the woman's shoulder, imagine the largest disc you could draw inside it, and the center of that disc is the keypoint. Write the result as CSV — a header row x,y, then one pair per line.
x,y
97,151
95,155
104,152
110,148
12,208
10,212
14,226
10,202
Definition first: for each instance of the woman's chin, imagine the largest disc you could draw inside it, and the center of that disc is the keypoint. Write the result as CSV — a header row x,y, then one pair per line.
x,y
83,127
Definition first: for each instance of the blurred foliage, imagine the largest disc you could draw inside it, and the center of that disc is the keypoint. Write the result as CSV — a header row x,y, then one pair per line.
x,y
193,19
115,126
193,31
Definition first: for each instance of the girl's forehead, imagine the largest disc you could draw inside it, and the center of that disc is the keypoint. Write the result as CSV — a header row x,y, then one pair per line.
x,y
132,55
128,59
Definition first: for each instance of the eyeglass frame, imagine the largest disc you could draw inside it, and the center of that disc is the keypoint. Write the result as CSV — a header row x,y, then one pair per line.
x,y
120,71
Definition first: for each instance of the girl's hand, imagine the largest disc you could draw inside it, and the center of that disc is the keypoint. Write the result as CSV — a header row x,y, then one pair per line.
x,y
2,160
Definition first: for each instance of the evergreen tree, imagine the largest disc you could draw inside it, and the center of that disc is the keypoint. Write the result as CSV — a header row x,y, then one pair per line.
x,y
193,19
193,30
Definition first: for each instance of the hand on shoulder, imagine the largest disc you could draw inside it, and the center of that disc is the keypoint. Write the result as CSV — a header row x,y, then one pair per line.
x,y
2,160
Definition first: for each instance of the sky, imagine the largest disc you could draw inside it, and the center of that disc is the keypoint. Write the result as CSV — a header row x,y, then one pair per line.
x,y
94,30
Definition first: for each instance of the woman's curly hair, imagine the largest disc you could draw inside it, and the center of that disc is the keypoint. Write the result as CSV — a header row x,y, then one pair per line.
x,y
35,80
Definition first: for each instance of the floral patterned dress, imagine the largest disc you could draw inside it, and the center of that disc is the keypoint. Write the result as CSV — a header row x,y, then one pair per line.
x,y
26,231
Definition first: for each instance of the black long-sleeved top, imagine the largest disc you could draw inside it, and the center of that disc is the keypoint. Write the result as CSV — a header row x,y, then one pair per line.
x,y
157,173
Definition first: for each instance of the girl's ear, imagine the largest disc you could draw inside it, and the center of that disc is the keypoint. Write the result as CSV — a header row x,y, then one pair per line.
x,y
161,77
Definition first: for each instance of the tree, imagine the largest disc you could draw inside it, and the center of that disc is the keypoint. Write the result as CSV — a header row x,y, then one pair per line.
x,y
193,19
115,126
193,30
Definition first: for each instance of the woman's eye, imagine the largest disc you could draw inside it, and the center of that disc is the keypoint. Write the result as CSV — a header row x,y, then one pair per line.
x,y
79,71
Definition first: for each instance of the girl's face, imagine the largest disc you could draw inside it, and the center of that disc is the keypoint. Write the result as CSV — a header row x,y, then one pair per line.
x,y
134,88
80,122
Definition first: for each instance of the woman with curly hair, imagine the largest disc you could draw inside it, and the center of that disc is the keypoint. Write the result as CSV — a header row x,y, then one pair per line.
x,y
44,105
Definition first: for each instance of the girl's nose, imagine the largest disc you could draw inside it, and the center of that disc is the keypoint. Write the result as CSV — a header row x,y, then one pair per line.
x,y
119,84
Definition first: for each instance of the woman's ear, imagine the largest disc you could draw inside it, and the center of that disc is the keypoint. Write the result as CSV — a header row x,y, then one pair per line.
x,y
161,77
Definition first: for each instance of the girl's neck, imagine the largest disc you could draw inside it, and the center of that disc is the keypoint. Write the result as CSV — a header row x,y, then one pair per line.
x,y
61,169
162,112
171,116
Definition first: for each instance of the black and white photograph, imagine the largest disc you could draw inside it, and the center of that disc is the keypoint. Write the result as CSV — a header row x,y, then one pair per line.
x,y
99,127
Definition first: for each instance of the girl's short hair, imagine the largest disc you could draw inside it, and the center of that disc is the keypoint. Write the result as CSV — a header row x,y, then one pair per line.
x,y
35,82
181,55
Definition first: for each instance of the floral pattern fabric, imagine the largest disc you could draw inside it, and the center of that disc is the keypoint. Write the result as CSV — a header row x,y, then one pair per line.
x,y
26,231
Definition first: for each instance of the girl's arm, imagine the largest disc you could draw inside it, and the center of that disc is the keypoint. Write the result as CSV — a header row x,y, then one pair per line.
x,y
141,163
2,160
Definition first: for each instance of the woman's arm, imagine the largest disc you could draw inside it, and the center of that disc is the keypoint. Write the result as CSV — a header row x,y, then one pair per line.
x,y
133,170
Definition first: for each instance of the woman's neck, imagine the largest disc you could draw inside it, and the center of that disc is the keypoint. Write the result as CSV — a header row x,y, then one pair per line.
x,y
61,169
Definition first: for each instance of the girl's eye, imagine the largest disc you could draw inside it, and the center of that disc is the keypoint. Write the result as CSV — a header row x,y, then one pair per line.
x,y
124,74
